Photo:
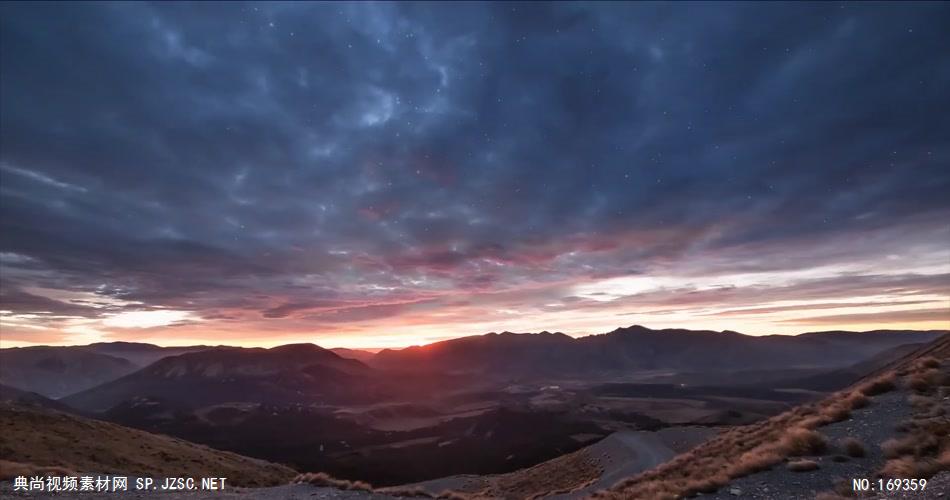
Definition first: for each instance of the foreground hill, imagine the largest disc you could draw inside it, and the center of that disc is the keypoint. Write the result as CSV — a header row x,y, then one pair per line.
x,y
636,348
298,373
890,425
35,438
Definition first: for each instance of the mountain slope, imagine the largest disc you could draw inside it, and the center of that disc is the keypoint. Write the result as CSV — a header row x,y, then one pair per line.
x,y
33,437
300,373
807,450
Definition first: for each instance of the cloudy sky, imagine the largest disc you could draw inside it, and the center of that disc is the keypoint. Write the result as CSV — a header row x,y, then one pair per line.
x,y
378,174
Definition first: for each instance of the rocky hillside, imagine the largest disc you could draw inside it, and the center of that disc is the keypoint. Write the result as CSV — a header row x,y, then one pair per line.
x,y
892,424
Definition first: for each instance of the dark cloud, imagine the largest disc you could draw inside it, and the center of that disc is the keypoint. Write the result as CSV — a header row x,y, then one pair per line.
x,y
27,303
338,161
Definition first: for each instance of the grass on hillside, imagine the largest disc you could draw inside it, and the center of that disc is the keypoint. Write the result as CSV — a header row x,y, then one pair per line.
x,y
745,450
924,449
38,439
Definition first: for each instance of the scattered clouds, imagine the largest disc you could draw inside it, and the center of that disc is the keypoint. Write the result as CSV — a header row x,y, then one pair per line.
x,y
405,171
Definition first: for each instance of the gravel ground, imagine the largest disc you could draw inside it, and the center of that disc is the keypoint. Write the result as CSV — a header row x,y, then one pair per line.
x,y
871,425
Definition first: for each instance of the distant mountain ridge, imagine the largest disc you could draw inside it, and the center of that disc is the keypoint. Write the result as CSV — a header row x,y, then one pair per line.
x,y
139,353
640,348
306,373
57,371
357,354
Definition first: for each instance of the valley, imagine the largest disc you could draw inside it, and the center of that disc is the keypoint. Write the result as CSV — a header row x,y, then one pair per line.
x,y
474,250
500,410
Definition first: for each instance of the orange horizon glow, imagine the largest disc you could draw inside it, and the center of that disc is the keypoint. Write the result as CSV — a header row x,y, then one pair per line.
x,y
414,331
895,293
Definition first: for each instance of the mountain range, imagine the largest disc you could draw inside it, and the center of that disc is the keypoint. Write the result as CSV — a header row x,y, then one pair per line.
x,y
638,348
100,375
516,448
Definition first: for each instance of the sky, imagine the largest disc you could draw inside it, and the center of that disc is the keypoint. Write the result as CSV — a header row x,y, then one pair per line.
x,y
387,174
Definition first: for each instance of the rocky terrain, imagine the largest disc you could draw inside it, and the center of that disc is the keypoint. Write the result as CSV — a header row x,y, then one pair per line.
x,y
893,424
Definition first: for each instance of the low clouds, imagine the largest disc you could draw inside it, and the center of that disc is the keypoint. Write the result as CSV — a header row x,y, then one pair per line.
x,y
294,169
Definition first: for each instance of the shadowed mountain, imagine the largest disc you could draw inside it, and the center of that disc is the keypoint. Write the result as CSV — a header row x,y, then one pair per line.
x,y
298,373
813,379
357,354
138,353
58,371
13,395
637,348
503,354
842,377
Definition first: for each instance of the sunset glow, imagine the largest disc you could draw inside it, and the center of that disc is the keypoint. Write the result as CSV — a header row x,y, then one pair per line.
x,y
376,175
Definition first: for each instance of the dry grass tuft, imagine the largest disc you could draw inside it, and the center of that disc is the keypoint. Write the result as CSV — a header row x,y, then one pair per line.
x,y
836,408
802,465
918,444
852,447
924,380
836,413
325,480
880,385
708,484
755,460
897,447
908,467
800,441
856,400
928,362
